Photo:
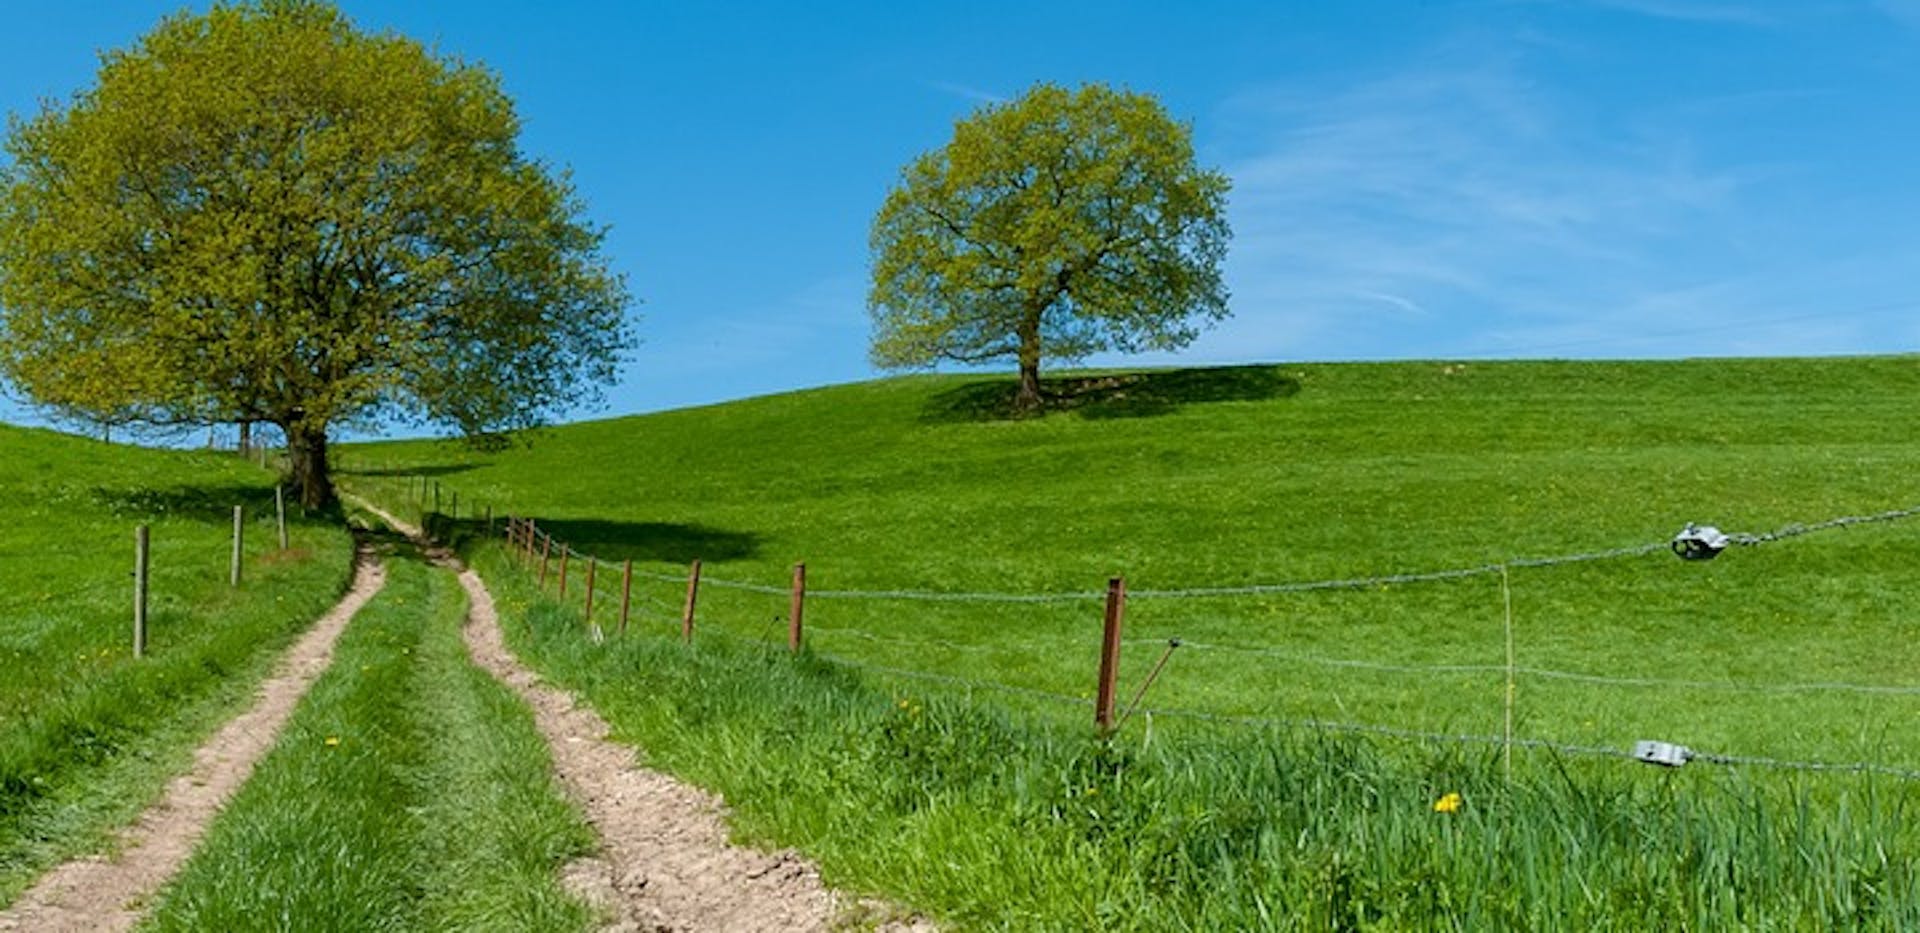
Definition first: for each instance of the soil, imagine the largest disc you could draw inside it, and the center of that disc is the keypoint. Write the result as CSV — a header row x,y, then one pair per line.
x,y
110,892
665,862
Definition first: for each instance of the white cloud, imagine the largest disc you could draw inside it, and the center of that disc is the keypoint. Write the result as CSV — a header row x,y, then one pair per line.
x,y
1463,190
1396,301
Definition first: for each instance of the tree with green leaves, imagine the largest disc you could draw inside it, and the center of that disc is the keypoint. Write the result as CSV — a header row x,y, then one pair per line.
x,y
1061,224
263,213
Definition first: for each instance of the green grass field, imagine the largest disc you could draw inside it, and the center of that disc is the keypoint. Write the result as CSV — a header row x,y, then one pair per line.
x,y
1793,650
992,820
88,735
409,792
1233,477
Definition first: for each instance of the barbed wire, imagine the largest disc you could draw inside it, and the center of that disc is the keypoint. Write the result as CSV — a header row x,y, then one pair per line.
x,y
1383,731
837,632
1783,764
1552,674
1303,586
951,681
1796,529
1822,767
1393,732
1325,725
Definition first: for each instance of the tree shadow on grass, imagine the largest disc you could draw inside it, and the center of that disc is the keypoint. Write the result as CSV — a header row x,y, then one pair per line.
x,y
436,469
1114,395
198,503
667,542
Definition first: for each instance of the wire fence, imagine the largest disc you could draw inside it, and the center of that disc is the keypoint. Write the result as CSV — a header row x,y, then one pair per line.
x,y
554,562
164,570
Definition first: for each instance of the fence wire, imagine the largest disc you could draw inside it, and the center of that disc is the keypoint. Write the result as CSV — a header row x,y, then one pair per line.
x,y
1390,732
1599,751
1792,530
1550,673
961,682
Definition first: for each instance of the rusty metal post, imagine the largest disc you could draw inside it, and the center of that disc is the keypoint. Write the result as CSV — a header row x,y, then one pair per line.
x,y
693,593
591,563
140,551
626,593
1110,655
799,603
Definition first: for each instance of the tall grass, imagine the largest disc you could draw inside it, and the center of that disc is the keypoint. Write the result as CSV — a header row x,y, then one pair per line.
x,y
410,791
996,815
88,735
995,820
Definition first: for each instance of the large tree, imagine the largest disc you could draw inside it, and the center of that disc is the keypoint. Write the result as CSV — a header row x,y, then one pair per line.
x,y
263,213
1060,224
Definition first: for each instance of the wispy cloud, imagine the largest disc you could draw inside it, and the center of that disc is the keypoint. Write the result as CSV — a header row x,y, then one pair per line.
x,y
1696,11
1907,12
1466,194
1395,301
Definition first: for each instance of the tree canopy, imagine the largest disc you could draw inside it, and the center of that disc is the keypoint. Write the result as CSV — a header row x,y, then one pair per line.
x,y
262,213
1064,223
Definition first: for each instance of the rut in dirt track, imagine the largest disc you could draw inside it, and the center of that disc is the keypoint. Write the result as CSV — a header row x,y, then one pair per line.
x,y
665,862
110,892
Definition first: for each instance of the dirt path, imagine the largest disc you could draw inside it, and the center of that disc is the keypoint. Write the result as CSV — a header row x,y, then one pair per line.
x,y
665,862
110,892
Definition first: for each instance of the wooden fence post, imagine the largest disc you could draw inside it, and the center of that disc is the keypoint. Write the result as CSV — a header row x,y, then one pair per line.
x,y
564,551
591,564
453,511
1110,655
546,550
626,593
799,603
693,592
436,496
140,591
280,510
239,525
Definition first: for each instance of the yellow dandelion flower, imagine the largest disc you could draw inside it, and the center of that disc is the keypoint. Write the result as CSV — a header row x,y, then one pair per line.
x,y
333,741
1448,804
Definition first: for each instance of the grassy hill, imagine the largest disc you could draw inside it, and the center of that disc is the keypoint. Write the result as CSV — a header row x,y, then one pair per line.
x,y
919,506
1265,475
88,734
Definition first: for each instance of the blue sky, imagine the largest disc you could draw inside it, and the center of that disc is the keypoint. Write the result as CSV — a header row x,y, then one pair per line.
x,y
1504,178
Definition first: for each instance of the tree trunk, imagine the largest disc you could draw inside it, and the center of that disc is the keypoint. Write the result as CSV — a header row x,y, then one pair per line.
x,y
1028,400
246,438
307,456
